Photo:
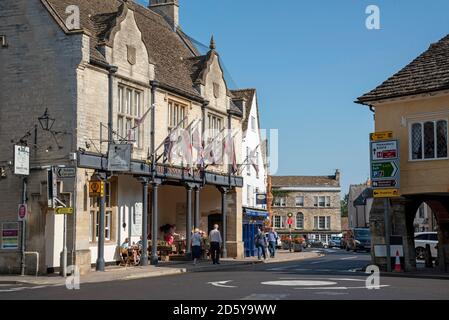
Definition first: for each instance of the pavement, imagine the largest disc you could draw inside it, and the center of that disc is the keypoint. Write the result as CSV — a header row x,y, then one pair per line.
x,y
115,273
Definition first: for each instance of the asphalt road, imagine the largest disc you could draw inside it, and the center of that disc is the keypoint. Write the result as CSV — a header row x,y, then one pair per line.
x,y
337,275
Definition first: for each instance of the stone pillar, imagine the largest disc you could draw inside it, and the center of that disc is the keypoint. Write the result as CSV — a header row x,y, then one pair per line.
x,y
154,223
234,232
443,247
401,220
197,218
188,220
403,213
224,215
144,256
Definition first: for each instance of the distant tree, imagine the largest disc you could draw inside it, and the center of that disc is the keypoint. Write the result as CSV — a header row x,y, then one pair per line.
x,y
344,205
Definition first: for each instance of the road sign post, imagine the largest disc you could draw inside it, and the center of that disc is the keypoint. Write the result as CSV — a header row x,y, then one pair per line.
x,y
290,222
385,177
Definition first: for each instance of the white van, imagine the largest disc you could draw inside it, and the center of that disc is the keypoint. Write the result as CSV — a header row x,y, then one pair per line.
x,y
423,238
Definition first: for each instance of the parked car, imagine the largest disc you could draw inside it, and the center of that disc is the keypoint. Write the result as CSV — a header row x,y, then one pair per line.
x,y
423,238
314,243
356,239
335,242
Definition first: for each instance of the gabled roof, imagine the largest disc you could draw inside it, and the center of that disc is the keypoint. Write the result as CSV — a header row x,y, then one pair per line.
x,y
248,95
167,49
304,181
428,72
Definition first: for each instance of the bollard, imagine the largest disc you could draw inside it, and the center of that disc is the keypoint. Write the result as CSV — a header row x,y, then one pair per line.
x,y
428,257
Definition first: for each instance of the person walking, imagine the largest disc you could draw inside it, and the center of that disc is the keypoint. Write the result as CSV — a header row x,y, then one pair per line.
x,y
215,244
272,241
196,245
261,244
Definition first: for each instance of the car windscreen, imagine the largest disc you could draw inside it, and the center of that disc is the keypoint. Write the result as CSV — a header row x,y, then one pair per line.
x,y
361,233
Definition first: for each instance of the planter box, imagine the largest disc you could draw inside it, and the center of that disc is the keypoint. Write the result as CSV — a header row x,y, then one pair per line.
x,y
297,247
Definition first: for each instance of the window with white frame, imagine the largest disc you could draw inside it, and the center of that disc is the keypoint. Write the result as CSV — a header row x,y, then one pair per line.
x,y
299,201
176,113
278,222
253,123
95,215
130,103
322,222
322,201
248,162
280,202
299,220
249,191
428,140
215,125
256,161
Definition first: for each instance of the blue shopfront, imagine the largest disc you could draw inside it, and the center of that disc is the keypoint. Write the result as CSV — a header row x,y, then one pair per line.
x,y
252,220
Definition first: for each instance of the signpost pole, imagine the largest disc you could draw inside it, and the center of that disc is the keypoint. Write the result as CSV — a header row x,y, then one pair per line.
x,y
387,233
290,238
64,249
23,247
100,258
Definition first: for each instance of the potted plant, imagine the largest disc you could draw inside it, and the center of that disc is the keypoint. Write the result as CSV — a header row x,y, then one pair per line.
x,y
298,244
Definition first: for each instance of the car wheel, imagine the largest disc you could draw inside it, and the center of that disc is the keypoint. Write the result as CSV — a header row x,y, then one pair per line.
x,y
420,253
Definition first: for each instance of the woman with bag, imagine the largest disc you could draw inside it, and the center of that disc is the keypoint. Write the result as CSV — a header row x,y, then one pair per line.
x,y
261,244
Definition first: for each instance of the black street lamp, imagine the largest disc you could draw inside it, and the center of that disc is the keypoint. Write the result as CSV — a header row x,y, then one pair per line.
x,y
45,121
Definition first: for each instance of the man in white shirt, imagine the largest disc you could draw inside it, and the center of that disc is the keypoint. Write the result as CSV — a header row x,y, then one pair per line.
x,y
215,244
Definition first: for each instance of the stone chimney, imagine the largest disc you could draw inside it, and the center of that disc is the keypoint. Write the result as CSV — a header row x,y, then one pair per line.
x,y
337,175
169,9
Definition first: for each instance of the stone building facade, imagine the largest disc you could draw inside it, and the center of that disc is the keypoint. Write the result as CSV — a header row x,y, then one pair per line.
x,y
314,202
413,105
127,75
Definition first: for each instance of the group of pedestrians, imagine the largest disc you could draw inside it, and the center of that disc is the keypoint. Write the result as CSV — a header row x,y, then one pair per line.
x,y
215,242
263,242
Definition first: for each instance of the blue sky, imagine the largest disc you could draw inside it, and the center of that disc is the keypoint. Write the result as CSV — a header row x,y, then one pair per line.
x,y
309,61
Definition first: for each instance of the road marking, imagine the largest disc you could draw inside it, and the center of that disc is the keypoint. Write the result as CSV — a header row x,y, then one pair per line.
x,y
262,296
294,283
315,262
347,258
221,284
279,268
337,288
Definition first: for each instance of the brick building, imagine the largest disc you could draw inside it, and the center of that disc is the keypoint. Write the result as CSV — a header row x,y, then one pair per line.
x,y
314,202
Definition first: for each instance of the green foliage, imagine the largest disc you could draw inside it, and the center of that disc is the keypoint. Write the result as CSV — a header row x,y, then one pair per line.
x,y
344,205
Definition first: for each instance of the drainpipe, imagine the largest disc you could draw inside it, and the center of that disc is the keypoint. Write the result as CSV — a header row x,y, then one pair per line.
x,y
112,70
154,86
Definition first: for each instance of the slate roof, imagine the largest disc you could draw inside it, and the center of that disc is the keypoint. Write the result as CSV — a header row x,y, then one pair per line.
x,y
428,72
248,95
168,50
304,181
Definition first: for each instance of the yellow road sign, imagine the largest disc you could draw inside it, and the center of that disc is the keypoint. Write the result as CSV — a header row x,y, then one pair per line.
x,y
385,193
385,135
64,210
96,189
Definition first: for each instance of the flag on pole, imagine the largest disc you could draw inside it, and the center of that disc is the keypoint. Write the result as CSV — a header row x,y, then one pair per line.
x,y
138,122
253,159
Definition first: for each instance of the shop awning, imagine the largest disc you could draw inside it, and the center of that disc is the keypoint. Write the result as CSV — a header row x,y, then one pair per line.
x,y
255,213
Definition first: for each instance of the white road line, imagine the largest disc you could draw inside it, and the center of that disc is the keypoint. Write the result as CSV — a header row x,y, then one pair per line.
x,y
347,258
316,262
279,268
